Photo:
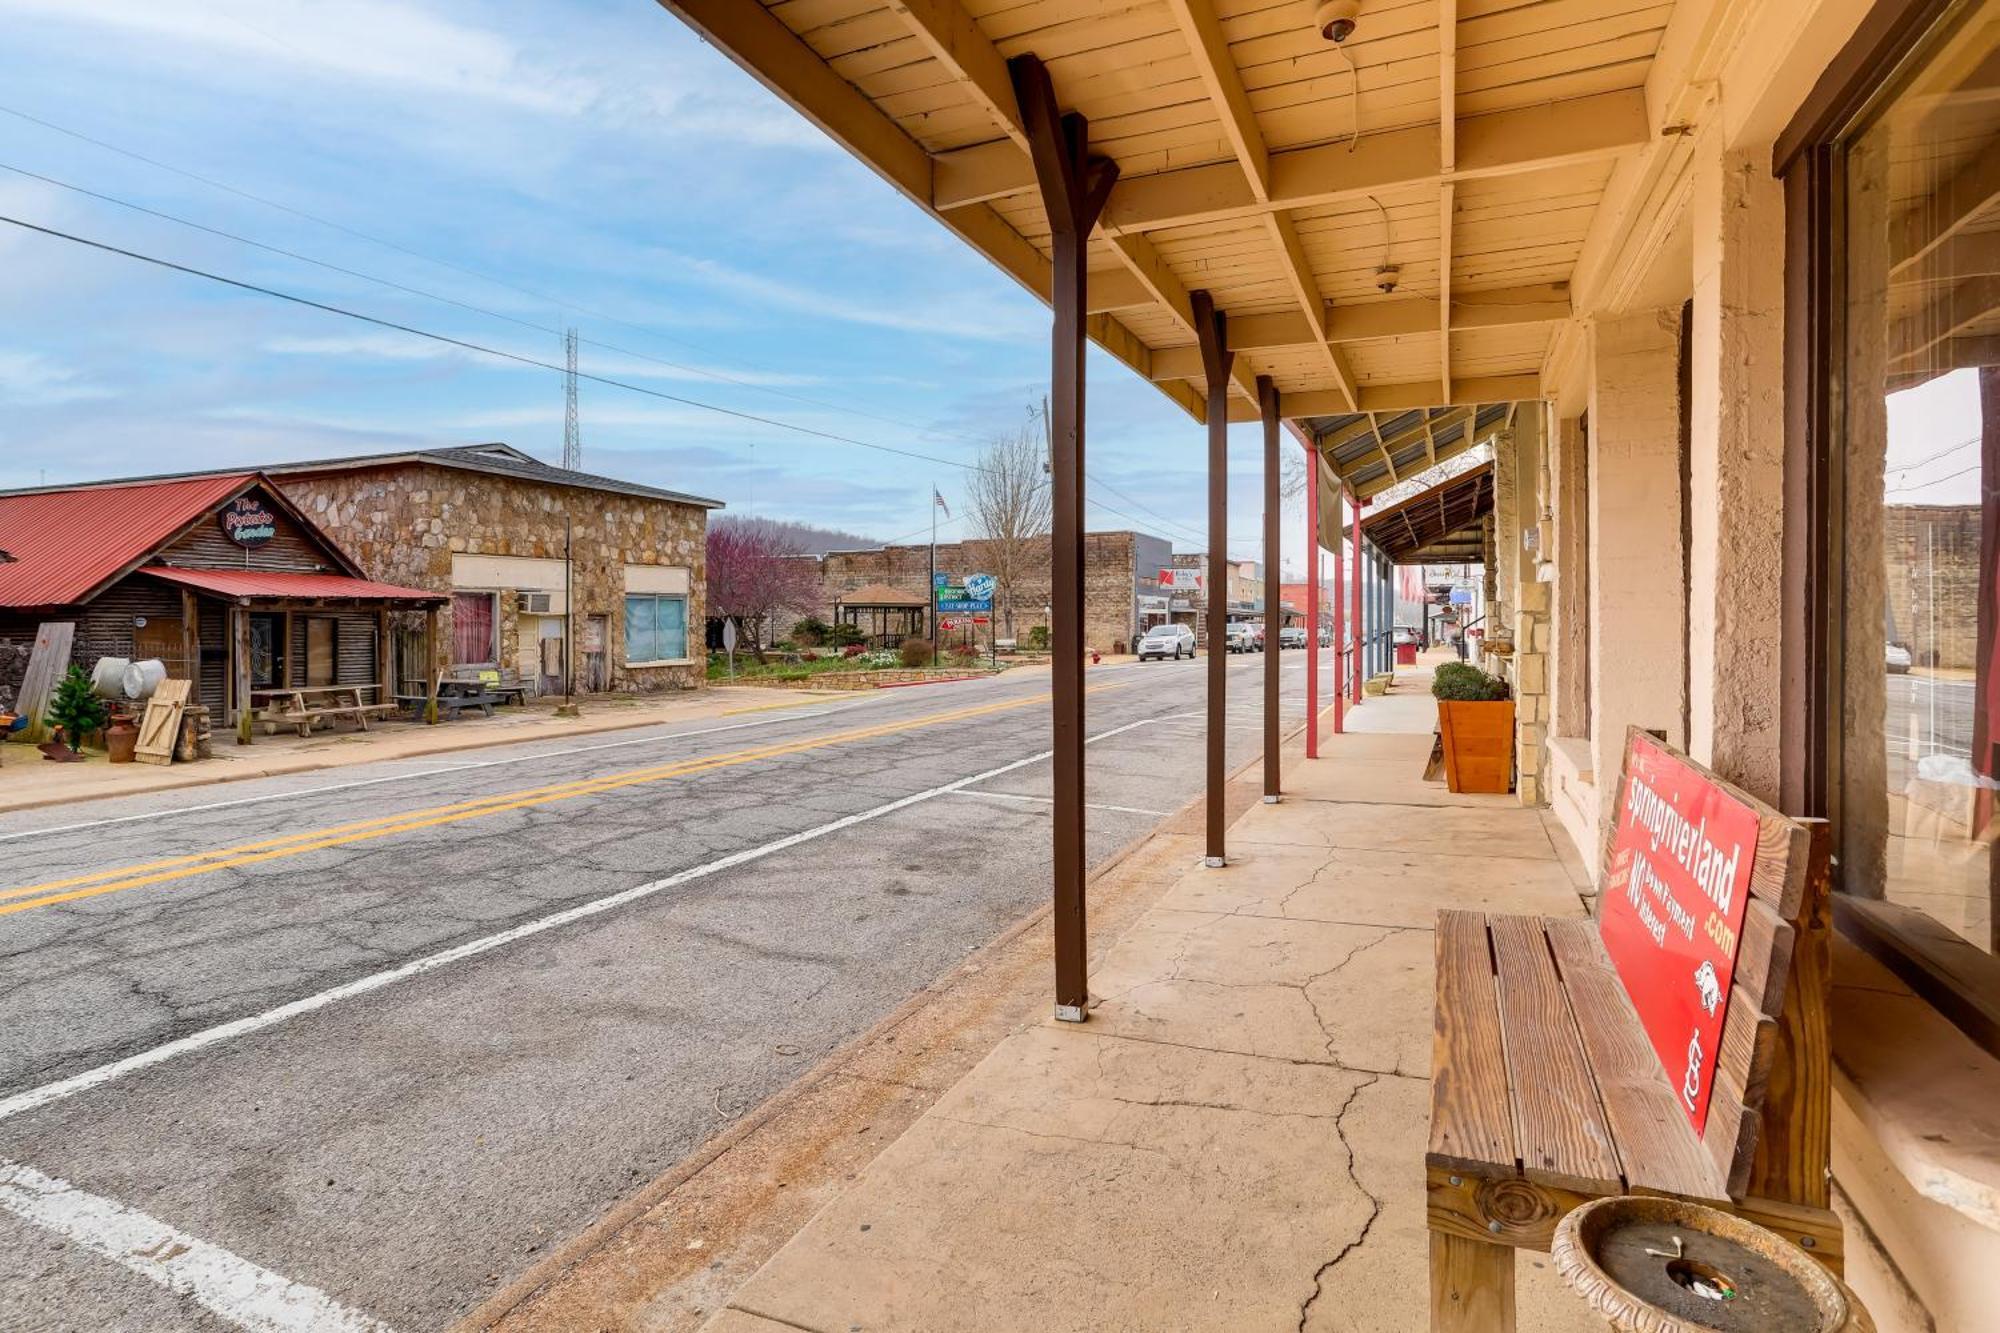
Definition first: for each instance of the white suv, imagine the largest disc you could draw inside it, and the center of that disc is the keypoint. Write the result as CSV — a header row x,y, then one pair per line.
x,y
1175,641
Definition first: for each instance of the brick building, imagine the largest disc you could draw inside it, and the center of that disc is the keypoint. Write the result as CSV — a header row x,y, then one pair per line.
x,y
489,525
1122,592
1932,593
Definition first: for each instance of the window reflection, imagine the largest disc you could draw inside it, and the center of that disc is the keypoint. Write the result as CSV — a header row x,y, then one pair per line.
x,y
1922,417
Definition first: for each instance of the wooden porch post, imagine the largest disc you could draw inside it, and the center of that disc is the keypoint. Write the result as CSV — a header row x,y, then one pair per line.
x,y
1211,326
1073,187
1267,405
383,666
431,665
239,655
191,643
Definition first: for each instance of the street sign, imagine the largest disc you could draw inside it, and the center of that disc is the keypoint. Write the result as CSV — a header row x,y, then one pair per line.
x,y
966,596
1461,597
729,643
1672,909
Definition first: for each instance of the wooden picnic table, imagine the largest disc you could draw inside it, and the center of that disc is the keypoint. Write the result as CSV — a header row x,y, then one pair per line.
x,y
303,705
453,698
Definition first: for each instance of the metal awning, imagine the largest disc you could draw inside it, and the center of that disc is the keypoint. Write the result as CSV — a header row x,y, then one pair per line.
x,y
256,585
1444,525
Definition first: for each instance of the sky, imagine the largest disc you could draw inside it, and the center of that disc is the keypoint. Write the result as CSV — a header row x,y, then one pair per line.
x,y
494,173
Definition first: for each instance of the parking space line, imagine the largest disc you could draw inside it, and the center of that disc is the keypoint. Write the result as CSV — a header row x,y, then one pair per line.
x,y
231,1286
1050,800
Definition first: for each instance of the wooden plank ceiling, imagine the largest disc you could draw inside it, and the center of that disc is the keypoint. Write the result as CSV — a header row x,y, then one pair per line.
x,y
1390,224
1439,526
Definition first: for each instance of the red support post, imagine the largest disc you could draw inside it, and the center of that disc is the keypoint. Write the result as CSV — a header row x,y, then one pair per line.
x,y
1360,624
1339,624
1312,602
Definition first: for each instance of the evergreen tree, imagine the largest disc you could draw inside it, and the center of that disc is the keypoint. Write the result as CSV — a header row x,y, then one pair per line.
x,y
76,708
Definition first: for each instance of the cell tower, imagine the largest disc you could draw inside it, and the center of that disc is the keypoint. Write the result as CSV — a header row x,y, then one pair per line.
x,y
572,436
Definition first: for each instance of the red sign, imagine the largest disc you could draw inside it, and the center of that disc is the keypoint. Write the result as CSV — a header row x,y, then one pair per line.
x,y
1672,910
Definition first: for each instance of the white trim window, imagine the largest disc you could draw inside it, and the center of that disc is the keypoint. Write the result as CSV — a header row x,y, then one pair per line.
x,y
655,629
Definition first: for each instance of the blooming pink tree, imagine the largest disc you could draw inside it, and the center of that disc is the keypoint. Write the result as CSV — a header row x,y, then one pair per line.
x,y
752,577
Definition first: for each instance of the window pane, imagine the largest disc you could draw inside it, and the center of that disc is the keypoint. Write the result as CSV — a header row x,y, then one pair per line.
x,y
1921,693
641,629
673,627
472,628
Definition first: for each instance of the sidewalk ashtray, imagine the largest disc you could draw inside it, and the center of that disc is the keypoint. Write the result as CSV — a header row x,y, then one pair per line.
x,y
1655,1265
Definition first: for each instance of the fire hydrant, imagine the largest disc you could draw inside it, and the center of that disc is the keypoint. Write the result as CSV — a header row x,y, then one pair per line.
x,y
1095,657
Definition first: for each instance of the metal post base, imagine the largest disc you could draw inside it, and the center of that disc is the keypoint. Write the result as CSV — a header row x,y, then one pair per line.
x,y
1213,862
1270,800
1070,1013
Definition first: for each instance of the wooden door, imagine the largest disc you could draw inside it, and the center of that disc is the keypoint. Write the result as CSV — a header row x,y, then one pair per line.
x,y
321,657
160,637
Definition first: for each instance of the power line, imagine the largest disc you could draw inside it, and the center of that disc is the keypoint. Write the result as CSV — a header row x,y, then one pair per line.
x,y
472,307
481,348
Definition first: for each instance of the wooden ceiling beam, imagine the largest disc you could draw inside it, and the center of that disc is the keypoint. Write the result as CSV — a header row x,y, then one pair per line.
x,y
954,39
1500,143
1402,397
1407,316
1447,192
1151,270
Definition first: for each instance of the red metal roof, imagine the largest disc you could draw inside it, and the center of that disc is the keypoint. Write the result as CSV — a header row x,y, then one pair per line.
x,y
263,583
67,543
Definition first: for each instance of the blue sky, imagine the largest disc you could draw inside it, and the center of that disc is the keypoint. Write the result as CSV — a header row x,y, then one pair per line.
x,y
572,163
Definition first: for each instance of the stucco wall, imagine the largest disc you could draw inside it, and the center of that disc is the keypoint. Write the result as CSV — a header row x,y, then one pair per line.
x,y
404,523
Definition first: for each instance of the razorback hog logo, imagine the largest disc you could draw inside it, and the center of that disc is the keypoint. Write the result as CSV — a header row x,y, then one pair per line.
x,y
1709,985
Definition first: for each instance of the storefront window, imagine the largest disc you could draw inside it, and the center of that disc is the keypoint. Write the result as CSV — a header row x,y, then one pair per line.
x,y
1919,705
655,628
472,627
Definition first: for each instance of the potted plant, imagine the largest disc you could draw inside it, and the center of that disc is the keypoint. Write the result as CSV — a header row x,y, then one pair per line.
x,y
1475,728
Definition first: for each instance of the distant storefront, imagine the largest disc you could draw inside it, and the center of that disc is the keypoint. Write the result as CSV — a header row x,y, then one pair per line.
x,y
529,556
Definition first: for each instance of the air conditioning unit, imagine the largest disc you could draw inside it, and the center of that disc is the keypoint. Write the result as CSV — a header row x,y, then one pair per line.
x,y
537,603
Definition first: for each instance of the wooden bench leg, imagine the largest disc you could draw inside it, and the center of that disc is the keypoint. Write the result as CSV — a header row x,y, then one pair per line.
x,y
1472,1286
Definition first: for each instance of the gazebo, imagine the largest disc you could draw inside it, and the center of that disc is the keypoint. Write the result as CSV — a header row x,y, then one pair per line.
x,y
884,615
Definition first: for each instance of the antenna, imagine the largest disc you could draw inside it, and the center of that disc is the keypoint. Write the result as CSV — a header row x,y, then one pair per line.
x,y
572,436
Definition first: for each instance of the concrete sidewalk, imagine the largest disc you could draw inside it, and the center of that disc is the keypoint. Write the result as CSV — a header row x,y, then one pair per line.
x,y
27,781
1236,1137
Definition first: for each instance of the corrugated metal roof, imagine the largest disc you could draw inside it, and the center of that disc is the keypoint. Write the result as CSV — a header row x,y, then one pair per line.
x,y
66,543
266,583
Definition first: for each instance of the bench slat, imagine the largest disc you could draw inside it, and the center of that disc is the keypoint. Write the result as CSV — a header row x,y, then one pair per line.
x,y
1731,1134
1656,1144
1764,957
1559,1124
1471,1124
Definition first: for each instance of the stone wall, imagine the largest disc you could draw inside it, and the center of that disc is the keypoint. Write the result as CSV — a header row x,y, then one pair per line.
x,y
1932,554
404,523
1111,583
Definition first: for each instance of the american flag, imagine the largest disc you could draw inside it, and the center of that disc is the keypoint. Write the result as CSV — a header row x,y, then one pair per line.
x,y
939,499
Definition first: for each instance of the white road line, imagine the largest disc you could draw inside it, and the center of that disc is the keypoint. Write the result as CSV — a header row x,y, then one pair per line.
x,y
1050,800
231,1286
242,1027
425,773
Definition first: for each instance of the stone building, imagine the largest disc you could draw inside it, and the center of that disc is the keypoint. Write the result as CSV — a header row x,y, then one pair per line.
x,y
529,554
1121,584
1932,554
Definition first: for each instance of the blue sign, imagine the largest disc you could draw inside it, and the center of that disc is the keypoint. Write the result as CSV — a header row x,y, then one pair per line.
x,y
975,594
980,586
1461,597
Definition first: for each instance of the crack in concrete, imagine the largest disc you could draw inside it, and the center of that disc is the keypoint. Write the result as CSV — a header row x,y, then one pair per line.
x,y
1374,1205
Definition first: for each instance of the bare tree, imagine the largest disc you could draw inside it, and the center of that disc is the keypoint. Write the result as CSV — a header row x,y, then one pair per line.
x,y
752,576
1009,495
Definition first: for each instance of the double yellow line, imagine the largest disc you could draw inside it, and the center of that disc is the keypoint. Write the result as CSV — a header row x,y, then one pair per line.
x,y
250,853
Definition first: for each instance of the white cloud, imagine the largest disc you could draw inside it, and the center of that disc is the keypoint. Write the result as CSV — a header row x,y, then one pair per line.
x,y
390,346
380,41
983,318
31,379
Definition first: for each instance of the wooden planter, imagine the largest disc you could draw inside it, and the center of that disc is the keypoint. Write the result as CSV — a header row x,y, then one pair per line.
x,y
1478,744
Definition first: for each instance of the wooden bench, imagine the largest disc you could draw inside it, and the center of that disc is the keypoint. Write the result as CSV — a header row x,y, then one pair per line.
x,y
1547,1093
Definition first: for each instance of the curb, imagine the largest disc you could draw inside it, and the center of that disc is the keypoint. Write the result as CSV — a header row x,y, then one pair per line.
x,y
623,1212
278,770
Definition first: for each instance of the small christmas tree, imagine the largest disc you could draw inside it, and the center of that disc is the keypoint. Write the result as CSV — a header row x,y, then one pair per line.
x,y
76,708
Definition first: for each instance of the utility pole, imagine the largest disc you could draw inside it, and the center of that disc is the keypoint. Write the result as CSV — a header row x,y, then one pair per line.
x,y
572,435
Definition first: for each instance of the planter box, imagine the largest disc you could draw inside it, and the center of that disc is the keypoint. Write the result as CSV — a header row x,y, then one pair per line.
x,y
1478,744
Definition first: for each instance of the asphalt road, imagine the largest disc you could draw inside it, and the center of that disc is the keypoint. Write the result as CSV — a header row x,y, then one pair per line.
x,y
338,1049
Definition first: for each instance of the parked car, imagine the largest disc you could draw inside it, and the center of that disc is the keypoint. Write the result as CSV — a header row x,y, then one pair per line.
x,y
1292,636
1325,638
1406,634
1898,659
1175,641
1242,637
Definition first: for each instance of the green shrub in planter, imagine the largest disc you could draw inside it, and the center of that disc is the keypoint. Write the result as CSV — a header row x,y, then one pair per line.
x,y
1464,683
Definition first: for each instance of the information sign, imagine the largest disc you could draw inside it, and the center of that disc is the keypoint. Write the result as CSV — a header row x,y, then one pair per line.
x,y
1672,909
